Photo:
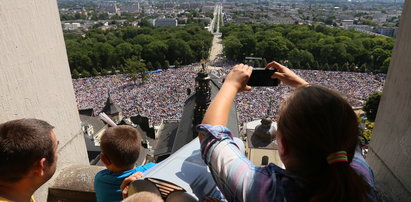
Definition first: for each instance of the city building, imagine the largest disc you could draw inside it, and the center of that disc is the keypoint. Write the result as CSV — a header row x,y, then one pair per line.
x,y
72,26
165,22
387,31
347,23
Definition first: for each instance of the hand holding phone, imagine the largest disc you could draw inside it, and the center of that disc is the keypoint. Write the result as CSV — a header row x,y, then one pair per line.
x,y
262,77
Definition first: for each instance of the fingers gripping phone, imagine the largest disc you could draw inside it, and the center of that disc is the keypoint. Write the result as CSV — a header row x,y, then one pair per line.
x,y
262,77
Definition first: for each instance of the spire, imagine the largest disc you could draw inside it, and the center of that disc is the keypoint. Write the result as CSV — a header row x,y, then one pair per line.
x,y
111,108
203,95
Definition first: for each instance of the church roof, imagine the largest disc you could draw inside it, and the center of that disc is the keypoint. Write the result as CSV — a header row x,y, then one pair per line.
x,y
168,133
96,122
88,111
111,108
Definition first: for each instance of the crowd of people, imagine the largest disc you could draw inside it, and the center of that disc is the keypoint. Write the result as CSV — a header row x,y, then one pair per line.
x,y
163,94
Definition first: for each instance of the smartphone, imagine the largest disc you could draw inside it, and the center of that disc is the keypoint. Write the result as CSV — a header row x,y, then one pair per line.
x,y
262,77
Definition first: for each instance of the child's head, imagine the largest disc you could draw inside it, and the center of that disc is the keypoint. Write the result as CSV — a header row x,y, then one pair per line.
x,y
120,146
315,122
144,197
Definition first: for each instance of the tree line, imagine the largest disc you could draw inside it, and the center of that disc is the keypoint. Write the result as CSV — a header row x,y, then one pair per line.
x,y
308,47
135,49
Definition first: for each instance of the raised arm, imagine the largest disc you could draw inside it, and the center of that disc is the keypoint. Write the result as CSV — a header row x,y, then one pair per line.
x,y
219,109
237,177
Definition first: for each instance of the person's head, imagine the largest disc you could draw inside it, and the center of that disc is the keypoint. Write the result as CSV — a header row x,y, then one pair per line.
x,y
315,122
120,147
28,149
144,197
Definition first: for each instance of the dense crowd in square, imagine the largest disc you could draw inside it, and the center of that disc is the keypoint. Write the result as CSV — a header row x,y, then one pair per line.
x,y
163,94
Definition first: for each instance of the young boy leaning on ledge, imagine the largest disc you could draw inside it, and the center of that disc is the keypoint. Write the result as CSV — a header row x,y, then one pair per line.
x,y
120,148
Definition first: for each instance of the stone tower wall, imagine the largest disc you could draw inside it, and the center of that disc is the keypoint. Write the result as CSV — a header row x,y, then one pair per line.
x,y
390,150
35,79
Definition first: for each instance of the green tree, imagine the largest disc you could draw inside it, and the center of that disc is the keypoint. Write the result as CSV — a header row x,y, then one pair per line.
x,y
385,65
345,67
327,67
149,65
155,51
274,48
317,66
166,64
75,74
363,68
257,63
264,62
136,69
353,67
378,57
142,39
198,49
233,48
177,63
248,43
145,23
334,67
94,72
103,55
124,51
371,105
179,50
79,60
157,65
296,65
301,56
290,65
105,72
85,73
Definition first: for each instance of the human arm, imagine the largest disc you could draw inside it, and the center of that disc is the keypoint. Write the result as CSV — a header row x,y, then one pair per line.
x,y
237,177
286,76
219,109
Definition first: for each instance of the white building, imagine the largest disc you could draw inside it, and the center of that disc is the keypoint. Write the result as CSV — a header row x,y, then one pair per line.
x,y
347,23
72,26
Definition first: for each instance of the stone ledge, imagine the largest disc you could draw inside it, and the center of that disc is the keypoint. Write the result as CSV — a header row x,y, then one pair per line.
x,y
74,183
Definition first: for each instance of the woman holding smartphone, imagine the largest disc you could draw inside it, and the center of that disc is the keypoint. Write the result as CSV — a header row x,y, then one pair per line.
x,y
318,143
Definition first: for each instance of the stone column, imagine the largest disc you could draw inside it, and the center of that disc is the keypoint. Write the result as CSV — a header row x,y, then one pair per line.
x,y
390,149
35,77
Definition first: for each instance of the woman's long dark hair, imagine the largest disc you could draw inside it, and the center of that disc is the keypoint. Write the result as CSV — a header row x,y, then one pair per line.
x,y
315,122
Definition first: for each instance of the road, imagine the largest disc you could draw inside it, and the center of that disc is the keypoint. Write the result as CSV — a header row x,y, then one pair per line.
x,y
216,52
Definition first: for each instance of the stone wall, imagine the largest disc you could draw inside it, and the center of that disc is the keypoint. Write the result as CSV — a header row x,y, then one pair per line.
x,y
390,149
35,78
74,183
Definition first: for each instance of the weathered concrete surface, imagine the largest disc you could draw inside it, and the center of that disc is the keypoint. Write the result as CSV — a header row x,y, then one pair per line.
x,y
35,78
77,178
390,151
74,183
